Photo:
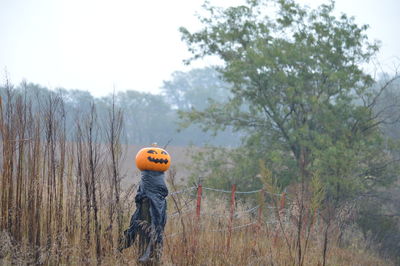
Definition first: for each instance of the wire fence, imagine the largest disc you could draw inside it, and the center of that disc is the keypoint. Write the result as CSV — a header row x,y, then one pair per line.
x,y
240,192
252,214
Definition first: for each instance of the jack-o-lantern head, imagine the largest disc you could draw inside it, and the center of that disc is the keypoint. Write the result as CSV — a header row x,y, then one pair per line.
x,y
153,159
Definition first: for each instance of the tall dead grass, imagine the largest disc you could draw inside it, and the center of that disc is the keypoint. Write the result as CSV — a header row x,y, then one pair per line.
x,y
61,201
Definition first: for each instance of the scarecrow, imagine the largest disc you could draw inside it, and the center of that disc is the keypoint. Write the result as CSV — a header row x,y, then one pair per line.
x,y
150,217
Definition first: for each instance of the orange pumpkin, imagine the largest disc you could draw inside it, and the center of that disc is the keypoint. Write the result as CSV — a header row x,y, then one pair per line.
x,y
153,158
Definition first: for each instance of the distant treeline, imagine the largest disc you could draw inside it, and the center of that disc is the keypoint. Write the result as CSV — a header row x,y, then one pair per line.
x,y
148,118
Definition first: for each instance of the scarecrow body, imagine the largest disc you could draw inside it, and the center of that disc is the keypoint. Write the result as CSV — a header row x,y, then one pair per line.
x,y
152,188
150,217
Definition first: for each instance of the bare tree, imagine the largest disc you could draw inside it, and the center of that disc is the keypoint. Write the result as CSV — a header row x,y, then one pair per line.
x,y
91,175
114,126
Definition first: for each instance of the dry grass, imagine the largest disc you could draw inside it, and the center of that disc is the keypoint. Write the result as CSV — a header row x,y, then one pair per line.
x,y
65,203
255,244
202,242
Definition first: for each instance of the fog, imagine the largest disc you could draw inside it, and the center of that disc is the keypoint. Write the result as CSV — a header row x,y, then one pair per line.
x,y
104,45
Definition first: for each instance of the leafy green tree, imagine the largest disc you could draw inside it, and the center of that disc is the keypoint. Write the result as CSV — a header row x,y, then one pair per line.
x,y
298,90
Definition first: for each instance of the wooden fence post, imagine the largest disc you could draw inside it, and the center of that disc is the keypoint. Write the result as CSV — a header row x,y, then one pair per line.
x,y
198,211
261,207
231,216
198,204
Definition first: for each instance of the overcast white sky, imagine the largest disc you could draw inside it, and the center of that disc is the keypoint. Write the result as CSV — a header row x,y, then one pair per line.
x,y
95,45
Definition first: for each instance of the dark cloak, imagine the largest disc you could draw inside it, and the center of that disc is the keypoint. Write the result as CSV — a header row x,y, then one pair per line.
x,y
152,187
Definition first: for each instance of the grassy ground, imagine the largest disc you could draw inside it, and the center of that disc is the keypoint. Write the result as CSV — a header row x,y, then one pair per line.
x,y
192,241
189,240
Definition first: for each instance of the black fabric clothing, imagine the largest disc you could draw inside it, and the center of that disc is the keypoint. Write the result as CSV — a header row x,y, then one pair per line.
x,y
153,188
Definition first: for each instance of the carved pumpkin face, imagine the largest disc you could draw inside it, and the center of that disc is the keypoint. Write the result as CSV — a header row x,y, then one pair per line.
x,y
153,158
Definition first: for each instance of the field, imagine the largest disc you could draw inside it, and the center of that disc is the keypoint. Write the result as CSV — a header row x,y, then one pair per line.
x,y
255,234
189,241
68,194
